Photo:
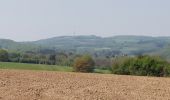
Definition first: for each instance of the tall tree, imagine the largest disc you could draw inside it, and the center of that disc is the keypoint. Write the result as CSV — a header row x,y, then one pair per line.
x,y
3,55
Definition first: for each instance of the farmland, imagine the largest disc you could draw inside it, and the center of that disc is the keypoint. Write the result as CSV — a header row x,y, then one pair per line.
x,y
50,85
41,67
84,50
24,66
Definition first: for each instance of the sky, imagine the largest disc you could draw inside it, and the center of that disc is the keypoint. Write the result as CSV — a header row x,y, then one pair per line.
x,y
28,20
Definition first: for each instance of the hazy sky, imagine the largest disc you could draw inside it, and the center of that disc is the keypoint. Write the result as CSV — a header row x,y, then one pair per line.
x,y
24,20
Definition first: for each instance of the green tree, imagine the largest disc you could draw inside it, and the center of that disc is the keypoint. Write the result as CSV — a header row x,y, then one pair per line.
x,y
14,57
84,64
3,55
141,65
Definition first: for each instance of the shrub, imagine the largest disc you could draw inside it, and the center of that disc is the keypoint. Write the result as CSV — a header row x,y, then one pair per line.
x,y
141,65
120,66
84,64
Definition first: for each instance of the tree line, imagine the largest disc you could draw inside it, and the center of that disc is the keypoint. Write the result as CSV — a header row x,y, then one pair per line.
x,y
143,65
51,57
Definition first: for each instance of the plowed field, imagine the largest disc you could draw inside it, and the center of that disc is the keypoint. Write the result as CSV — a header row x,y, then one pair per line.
x,y
44,85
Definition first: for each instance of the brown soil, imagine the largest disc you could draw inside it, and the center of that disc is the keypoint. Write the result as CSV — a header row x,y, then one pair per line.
x,y
33,85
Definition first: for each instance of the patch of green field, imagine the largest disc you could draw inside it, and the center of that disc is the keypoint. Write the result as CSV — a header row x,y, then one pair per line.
x,y
24,66
102,71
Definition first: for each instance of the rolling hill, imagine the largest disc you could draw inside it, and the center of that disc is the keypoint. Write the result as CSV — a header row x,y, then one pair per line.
x,y
17,46
131,45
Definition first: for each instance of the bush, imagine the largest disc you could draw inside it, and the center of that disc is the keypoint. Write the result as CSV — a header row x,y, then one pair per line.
x,y
84,64
141,65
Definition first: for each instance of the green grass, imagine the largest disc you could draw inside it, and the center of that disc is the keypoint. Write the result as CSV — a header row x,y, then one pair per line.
x,y
25,66
102,71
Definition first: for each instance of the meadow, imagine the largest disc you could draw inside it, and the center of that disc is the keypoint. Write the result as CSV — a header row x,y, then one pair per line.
x,y
42,67
26,66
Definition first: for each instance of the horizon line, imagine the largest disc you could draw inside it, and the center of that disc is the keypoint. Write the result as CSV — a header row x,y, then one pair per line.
x,y
84,36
